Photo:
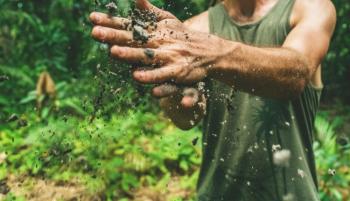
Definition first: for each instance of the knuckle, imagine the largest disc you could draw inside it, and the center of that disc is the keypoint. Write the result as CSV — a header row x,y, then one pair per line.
x,y
182,72
168,14
161,24
171,56
154,42
118,52
113,35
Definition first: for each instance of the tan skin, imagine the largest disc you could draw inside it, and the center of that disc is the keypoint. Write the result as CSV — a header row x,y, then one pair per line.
x,y
186,59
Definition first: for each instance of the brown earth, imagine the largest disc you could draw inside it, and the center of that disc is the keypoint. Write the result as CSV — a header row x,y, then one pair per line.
x,y
34,189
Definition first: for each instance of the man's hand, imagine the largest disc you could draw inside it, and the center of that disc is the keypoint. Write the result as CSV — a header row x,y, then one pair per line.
x,y
187,97
178,53
184,105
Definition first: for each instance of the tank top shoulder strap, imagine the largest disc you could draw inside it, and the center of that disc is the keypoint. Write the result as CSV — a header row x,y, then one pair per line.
x,y
282,12
216,18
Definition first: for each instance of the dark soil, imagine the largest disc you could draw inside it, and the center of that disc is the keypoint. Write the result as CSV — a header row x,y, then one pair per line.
x,y
141,22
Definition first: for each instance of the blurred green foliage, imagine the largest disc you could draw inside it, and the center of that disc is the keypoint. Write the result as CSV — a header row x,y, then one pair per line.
x,y
109,158
337,63
333,161
129,145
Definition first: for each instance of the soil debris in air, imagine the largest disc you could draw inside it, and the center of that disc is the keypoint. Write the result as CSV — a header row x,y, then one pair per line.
x,y
195,141
22,123
4,78
12,118
111,7
4,188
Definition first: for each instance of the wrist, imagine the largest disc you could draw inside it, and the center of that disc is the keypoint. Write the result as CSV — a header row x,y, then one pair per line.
x,y
224,59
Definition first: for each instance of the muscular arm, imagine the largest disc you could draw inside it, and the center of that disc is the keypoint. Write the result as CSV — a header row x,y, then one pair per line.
x,y
280,73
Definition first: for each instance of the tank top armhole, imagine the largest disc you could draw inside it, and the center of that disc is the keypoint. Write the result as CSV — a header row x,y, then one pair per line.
x,y
210,19
289,16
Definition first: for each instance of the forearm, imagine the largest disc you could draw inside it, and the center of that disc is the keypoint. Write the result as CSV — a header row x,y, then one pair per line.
x,y
183,117
280,73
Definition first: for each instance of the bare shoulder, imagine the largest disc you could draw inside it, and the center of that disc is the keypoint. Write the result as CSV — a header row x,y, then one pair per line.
x,y
199,22
319,11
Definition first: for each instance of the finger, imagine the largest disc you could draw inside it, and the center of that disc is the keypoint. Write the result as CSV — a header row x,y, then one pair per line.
x,y
161,14
155,76
113,36
139,55
190,97
165,90
105,20
189,101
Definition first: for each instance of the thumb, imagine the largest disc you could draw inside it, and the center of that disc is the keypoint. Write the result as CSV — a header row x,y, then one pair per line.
x,y
161,14
190,97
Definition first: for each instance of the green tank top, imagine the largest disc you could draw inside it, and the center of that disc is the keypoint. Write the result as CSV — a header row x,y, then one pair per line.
x,y
242,133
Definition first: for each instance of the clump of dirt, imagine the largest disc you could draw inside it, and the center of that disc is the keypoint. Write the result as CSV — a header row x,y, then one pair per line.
x,y
111,7
141,22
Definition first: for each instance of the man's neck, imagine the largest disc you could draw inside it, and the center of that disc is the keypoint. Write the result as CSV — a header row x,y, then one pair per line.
x,y
247,9
241,7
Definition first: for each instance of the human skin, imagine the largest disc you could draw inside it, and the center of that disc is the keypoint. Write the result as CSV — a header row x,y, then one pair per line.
x,y
188,53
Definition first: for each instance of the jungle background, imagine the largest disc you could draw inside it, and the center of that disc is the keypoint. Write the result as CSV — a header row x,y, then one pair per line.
x,y
74,126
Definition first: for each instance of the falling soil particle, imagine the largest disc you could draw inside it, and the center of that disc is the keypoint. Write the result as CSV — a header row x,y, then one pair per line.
x,y
111,7
12,118
4,78
195,141
4,188
22,123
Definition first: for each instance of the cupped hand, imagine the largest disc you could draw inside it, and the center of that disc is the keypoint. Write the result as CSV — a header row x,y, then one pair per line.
x,y
186,97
